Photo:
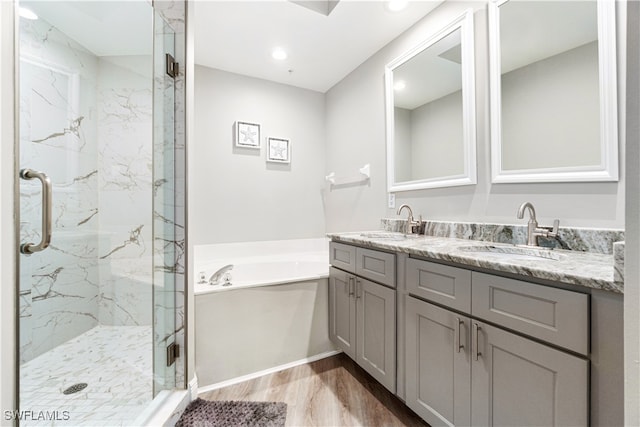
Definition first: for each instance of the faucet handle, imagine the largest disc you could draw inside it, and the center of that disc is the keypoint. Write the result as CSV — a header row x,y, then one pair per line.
x,y
203,278
416,226
556,226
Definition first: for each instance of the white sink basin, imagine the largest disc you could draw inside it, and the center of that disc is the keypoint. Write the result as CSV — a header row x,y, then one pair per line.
x,y
514,252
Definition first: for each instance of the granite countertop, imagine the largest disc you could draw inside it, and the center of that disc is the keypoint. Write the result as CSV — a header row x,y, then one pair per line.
x,y
591,270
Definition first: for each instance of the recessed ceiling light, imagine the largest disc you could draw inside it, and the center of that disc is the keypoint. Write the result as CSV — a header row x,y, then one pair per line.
x,y
279,53
396,5
399,85
27,14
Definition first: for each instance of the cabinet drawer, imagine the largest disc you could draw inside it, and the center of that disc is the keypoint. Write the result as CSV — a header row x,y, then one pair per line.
x,y
449,286
377,266
554,315
342,256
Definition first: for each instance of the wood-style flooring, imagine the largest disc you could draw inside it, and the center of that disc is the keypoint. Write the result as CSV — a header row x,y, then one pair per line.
x,y
329,392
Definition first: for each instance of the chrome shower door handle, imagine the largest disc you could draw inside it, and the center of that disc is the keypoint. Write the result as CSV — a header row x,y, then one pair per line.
x,y
29,248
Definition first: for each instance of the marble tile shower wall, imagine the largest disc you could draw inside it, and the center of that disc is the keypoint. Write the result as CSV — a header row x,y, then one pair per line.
x,y
87,123
125,187
59,287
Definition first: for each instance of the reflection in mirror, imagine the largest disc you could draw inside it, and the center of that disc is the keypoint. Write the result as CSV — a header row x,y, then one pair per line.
x,y
553,91
430,112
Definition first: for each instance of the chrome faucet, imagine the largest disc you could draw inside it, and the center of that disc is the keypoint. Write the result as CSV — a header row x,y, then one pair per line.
x,y
533,231
221,273
412,227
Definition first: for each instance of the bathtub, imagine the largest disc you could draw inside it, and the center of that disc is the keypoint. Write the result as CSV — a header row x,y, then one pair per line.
x,y
273,314
267,270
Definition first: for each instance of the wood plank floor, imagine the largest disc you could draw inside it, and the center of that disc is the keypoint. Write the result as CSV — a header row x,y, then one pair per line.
x,y
329,392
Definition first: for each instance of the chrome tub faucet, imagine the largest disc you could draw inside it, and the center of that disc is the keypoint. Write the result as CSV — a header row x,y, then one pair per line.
x,y
222,273
533,230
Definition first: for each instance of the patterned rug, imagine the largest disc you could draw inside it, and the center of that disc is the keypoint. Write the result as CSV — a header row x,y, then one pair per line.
x,y
206,413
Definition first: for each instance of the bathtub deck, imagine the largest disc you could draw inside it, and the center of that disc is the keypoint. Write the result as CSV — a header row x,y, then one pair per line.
x,y
332,391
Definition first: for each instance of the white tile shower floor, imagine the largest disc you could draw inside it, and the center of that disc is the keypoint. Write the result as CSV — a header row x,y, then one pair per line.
x,y
115,362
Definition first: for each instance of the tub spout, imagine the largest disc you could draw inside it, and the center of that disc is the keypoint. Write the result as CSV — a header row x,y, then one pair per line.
x,y
221,273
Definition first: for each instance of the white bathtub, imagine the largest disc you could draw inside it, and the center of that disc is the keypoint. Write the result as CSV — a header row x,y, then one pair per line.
x,y
261,263
275,312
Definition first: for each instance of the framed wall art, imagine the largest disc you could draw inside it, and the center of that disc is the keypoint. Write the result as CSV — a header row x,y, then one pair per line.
x,y
278,150
247,135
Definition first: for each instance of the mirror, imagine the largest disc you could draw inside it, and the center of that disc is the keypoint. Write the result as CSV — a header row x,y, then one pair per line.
x,y
553,91
430,110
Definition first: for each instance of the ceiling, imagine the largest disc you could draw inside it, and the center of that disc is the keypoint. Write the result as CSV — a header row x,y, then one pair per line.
x,y
238,36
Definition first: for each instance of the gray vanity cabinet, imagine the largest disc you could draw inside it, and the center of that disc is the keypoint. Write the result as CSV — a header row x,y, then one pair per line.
x,y
342,311
376,331
516,381
438,364
362,313
459,370
463,372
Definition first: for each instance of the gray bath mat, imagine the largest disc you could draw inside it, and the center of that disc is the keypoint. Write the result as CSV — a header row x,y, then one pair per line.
x,y
206,413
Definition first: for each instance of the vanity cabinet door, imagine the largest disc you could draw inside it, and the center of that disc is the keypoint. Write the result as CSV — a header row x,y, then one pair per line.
x,y
438,365
342,311
519,382
376,331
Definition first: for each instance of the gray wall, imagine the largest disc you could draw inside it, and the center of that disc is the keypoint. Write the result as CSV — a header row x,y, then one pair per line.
x,y
428,139
436,138
235,194
356,135
551,110
632,232
403,144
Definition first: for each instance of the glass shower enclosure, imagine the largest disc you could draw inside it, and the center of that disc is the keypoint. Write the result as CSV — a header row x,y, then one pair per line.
x,y
97,270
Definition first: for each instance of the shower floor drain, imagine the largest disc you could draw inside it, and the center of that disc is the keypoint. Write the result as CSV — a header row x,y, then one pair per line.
x,y
75,388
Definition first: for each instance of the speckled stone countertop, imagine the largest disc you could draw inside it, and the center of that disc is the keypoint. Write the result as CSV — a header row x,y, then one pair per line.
x,y
591,270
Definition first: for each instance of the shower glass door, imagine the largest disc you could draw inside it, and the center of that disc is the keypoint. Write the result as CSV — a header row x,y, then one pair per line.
x,y
165,261
91,119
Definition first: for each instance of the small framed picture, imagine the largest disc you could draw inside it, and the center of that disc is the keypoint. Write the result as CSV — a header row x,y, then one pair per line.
x,y
247,135
278,150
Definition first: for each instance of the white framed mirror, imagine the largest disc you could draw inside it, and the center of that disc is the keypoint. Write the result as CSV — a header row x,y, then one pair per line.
x,y
430,111
553,91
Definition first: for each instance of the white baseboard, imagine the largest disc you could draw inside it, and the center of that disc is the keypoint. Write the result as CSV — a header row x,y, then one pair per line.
x,y
193,388
258,374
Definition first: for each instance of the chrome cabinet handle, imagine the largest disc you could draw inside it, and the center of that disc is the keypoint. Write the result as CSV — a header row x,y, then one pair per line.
x,y
459,345
351,286
358,288
29,248
476,332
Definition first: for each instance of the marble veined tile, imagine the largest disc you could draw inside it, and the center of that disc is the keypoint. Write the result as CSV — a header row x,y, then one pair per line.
x,y
115,362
